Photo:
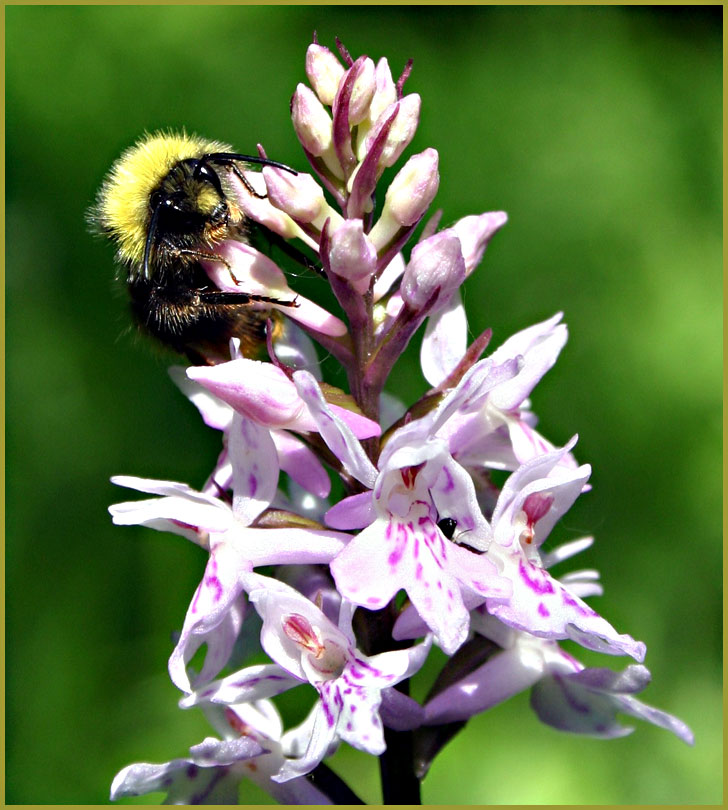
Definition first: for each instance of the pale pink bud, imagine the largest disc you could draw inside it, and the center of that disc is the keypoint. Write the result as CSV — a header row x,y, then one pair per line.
x,y
408,197
362,92
414,187
300,196
435,265
475,233
259,208
324,71
401,131
385,92
311,121
352,255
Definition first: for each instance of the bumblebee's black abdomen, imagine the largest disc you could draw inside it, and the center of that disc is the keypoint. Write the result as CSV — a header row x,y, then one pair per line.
x,y
177,314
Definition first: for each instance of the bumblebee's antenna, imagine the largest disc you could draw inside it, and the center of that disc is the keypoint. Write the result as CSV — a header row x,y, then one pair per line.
x,y
231,157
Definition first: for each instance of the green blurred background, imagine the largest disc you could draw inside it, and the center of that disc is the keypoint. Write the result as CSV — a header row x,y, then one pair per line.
x,y
598,129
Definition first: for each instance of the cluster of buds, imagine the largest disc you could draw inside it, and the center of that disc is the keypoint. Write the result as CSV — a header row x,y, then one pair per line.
x,y
421,547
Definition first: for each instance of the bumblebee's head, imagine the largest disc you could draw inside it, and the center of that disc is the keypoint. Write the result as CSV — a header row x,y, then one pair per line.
x,y
166,194
189,208
188,197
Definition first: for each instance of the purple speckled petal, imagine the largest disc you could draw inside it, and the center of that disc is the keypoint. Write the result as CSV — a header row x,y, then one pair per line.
x,y
301,464
539,346
323,733
177,515
498,679
275,601
390,555
182,780
335,432
251,683
543,474
454,496
567,703
214,618
214,412
479,574
445,341
255,468
542,606
630,705
400,712
634,678
288,546
356,709
354,512
211,752
362,571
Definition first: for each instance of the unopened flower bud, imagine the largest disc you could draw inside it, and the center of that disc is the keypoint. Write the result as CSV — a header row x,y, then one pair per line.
x,y
414,188
435,264
362,91
300,196
385,92
324,71
475,233
352,255
401,131
260,210
311,121
408,197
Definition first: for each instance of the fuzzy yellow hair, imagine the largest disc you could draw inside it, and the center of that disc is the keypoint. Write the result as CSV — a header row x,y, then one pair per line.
x,y
122,206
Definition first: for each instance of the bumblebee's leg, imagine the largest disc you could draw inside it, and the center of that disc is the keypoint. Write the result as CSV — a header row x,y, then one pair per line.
x,y
294,253
222,297
199,254
244,180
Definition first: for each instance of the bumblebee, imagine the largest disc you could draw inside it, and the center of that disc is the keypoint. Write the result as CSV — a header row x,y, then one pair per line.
x,y
166,204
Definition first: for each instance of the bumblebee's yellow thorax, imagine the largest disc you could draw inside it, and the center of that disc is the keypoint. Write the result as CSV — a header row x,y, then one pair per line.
x,y
123,203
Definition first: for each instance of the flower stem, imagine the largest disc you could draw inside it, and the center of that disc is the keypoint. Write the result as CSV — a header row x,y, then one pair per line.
x,y
396,767
330,783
